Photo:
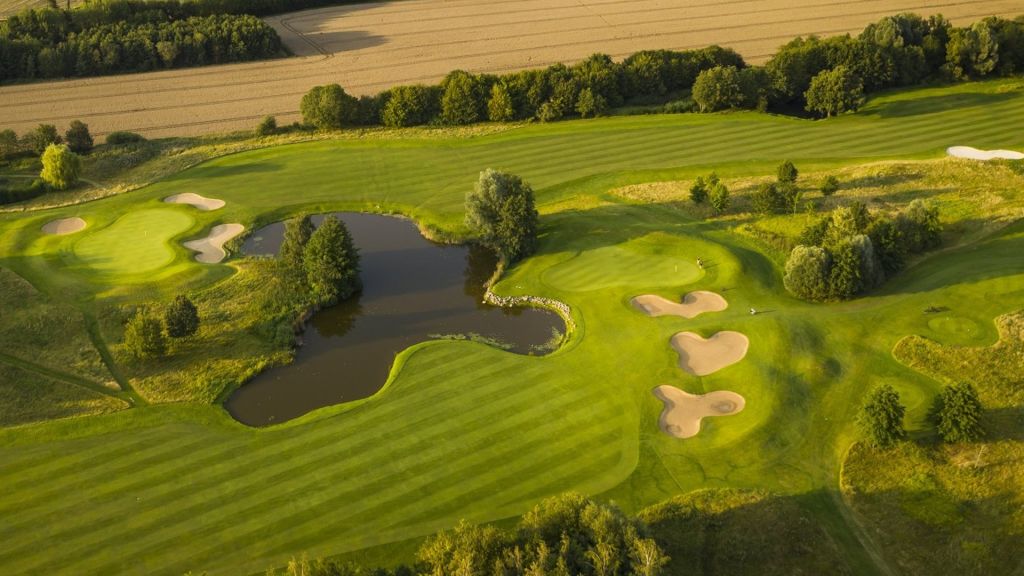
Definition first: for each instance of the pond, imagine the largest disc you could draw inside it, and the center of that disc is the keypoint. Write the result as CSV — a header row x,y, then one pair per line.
x,y
413,290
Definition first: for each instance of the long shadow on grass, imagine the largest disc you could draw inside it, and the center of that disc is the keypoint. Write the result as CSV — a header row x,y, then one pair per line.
x,y
936,104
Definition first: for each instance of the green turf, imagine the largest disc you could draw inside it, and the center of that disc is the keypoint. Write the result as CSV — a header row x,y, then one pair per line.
x,y
464,430
135,244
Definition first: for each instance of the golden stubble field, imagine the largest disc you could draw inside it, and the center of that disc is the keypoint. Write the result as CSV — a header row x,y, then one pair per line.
x,y
369,47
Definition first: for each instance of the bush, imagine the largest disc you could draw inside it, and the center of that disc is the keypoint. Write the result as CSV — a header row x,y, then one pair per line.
x,y
410,106
267,126
720,198
144,337
958,412
61,167
78,138
829,186
328,107
835,91
719,88
43,136
181,318
499,107
699,191
500,211
787,173
807,273
769,199
121,138
881,417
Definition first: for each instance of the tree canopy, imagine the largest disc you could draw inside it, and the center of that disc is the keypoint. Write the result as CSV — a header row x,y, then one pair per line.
x,y
881,417
500,211
61,167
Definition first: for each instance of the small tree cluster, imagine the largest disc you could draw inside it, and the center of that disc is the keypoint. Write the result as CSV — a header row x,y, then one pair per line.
x,y
146,334
500,211
267,126
881,417
781,196
322,262
850,250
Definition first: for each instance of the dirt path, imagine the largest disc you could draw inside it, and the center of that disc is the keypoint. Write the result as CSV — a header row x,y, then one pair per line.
x,y
370,47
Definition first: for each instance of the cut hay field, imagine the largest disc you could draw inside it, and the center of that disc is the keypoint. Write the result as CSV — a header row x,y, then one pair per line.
x,y
464,430
369,47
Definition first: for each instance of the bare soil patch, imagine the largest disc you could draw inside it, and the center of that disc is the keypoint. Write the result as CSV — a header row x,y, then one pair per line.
x,y
64,226
694,304
683,411
201,202
371,47
701,357
211,248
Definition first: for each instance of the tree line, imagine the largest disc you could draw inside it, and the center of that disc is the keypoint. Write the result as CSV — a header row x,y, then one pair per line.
x,y
823,76
49,43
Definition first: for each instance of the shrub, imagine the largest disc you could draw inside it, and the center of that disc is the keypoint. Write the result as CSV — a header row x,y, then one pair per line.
x,y
78,138
881,417
835,91
144,337
958,411
718,88
181,318
327,107
807,272
787,173
121,138
768,199
267,126
410,106
720,198
43,136
61,167
499,107
500,211
699,190
589,105
829,186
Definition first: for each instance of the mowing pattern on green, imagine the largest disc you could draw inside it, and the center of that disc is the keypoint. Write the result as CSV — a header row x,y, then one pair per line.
x,y
135,244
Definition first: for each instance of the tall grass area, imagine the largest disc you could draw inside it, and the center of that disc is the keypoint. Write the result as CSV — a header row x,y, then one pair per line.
x,y
957,508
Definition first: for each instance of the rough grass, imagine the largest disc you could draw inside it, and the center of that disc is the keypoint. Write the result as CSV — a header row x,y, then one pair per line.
x,y
27,396
938,508
464,430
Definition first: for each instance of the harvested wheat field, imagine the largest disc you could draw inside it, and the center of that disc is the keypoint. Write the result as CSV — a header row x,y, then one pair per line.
x,y
369,47
694,304
683,411
700,357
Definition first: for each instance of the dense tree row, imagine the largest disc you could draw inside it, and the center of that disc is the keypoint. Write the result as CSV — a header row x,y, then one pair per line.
x,y
851,250
49,45
824,76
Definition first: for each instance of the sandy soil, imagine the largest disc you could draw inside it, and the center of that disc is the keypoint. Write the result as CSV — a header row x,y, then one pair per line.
x,y
211,248
976,154
201,202
64,226
683,411
701,357
370,47
694,304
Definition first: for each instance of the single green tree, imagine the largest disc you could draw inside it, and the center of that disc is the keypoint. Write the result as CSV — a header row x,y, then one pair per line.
x,y
297,232
41,138
807,273
720,198
719,88
829,186
846,275
331,263
500,211
787,173
144,337
768,199
589,105
835,91
328,107
267,126
61,167
499,107
699,191
78,138
881,417
959,412
460,101
181,318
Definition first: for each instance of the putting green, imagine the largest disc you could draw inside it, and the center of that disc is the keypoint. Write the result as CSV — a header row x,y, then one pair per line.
x,y
135,243
655,258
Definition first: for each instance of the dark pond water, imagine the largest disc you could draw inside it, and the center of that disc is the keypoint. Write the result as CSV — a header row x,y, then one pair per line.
x,y
413,290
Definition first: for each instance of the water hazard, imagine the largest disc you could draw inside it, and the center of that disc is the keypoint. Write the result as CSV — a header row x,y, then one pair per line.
x,y
413,290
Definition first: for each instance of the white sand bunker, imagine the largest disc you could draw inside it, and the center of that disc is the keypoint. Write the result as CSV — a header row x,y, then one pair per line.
x,y
683,412
701,357
64,226
203,203
694,304
211,248
975,154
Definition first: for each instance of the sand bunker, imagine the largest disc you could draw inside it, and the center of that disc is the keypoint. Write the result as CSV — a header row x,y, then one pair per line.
x,y
701,357
975,154
64,226
211,248
683,412
694,304
203,203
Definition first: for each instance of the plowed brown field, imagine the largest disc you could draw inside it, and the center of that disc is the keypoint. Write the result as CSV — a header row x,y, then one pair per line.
x,y
369,47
